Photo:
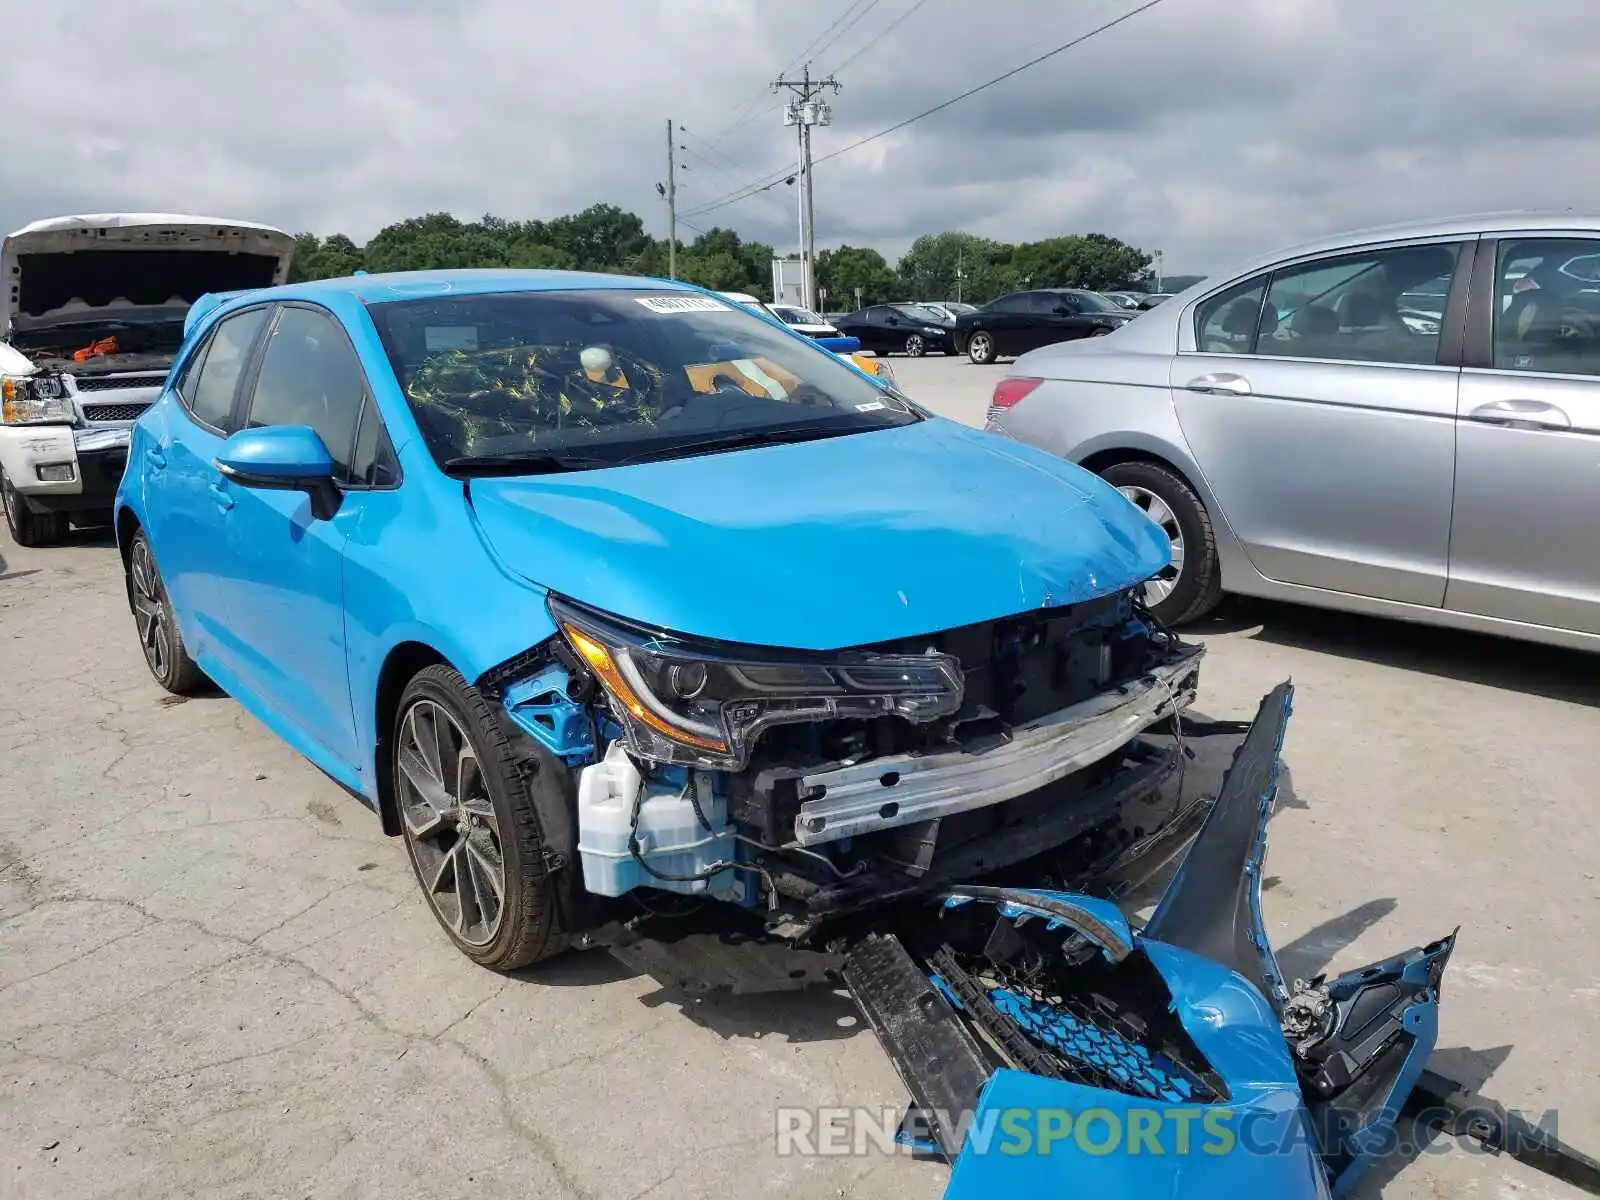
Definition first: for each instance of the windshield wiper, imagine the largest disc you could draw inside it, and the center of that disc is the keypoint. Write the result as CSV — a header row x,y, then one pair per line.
x,y
741,440
524,462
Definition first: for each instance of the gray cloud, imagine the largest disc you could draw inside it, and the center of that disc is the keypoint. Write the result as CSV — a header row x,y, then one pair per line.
x,y
1208,128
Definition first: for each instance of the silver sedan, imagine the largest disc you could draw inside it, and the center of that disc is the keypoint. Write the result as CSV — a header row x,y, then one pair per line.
x,y
1403,422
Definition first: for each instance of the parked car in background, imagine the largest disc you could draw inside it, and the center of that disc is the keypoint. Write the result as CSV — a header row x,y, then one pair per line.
x,y
902,328
1124,299
1023,321
803,320
1403,422
598,587
864,359
93,315
1150,299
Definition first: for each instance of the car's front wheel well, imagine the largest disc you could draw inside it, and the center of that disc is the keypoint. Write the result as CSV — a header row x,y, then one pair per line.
x,y
405,661
1102,461
127,524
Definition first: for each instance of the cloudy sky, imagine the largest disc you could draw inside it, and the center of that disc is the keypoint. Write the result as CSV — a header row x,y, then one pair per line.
x,y
1208,129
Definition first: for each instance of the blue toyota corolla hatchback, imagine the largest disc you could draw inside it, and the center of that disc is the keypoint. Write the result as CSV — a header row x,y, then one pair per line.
x,y
600,588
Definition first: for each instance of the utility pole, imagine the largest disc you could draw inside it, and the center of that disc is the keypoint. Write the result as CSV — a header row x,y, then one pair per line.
x,y
672,205
804,111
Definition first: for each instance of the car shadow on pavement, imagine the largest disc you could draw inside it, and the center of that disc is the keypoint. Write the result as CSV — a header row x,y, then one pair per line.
x,y
1470,1068
1525,667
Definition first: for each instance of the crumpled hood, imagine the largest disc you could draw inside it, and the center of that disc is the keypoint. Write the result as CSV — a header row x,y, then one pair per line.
x,y
826,544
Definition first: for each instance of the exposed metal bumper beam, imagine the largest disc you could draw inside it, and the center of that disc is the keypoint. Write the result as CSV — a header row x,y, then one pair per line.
x,y
902,789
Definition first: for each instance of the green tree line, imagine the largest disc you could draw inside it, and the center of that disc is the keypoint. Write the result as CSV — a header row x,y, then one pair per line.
x,y
603,237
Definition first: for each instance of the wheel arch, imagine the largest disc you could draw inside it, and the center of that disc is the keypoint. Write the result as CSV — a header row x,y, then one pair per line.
x,y
400,666
126,523
1103,460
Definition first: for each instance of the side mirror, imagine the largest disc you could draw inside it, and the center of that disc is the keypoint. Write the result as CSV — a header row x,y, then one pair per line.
x,y
285,458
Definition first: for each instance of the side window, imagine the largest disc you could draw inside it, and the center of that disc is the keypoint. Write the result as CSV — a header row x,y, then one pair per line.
x,y
310,376
1227,323
191,370
1015,302
1355,307
222,360
878,313
372,462
1548,312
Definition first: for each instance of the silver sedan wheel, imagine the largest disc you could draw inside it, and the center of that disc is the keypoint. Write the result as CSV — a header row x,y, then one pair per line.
x,y
1153,506
148,610
450,822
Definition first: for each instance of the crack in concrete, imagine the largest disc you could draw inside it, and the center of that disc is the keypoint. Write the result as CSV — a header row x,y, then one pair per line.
x,y
514,1120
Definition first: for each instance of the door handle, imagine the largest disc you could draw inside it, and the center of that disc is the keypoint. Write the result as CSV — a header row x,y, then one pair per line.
x,y
156,459
1529,413
1224,382
219,493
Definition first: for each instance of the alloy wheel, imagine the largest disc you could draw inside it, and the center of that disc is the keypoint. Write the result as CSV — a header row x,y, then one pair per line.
x,y
149,610
450,822
979,348
915,345
1160,586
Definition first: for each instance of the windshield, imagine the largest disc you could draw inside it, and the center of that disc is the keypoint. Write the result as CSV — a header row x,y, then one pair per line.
x,y
1095,302
798,316
593,378
919,312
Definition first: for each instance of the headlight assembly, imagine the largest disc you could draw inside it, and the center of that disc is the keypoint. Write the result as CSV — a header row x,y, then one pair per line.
x,y
34,400
705,705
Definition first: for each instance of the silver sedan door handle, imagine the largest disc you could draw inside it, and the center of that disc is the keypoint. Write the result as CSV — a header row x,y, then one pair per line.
x,y
1233,385
1534,413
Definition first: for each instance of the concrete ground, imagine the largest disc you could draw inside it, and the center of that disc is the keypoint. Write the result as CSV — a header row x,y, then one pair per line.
x,y
217,977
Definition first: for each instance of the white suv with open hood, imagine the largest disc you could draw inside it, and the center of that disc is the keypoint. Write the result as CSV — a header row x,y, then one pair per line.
x,y
94,315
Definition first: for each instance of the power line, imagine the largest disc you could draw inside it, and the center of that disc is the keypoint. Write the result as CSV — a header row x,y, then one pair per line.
x,y
880,35
764,184
751,108
820,50
970,92
813,49
709,148
770,181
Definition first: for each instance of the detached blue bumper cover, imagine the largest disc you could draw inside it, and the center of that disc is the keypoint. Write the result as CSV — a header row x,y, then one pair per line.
x,y
1047,1138
1175,1062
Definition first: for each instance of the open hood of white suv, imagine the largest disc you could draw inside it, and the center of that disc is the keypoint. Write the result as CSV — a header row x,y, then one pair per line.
x,y
111,265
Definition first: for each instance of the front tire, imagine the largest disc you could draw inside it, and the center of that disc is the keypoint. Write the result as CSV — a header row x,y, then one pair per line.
x,y
1192,586
159,638
981,348
28,528
477,830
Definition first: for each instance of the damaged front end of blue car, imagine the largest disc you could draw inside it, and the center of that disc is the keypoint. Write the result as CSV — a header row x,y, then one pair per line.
x,y
1053,1051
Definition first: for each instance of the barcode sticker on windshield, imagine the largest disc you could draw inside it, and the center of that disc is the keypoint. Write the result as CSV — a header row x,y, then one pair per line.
x,y
872,406
680,304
